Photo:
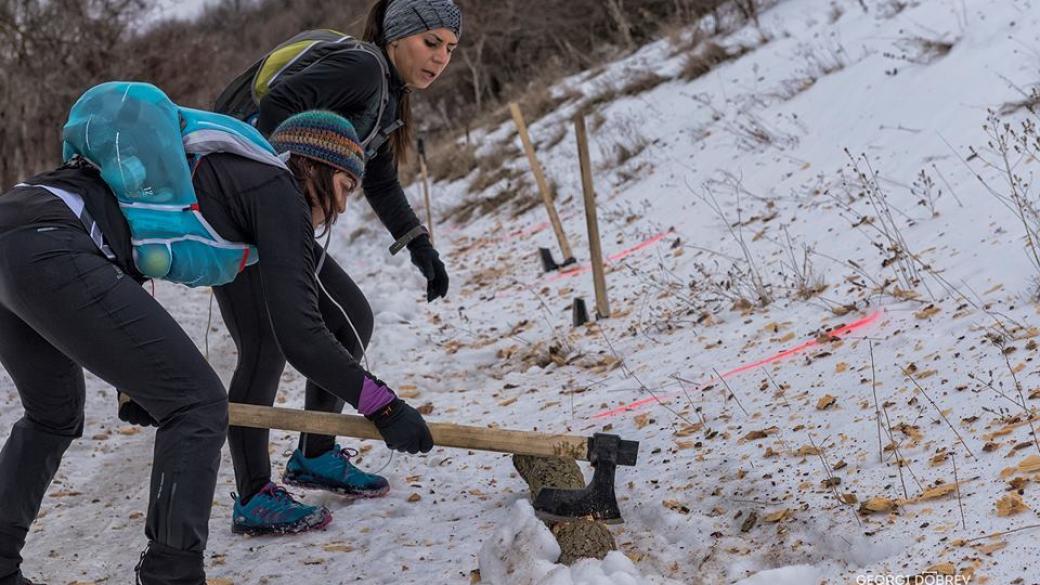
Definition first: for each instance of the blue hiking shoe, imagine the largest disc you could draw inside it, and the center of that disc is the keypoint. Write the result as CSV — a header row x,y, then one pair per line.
x,y
274,511
333,471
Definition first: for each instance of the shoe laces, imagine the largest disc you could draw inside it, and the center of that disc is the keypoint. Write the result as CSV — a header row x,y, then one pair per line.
x,y
346,453
279,493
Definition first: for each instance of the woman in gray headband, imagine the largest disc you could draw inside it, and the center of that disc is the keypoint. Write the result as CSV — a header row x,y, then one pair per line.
x,y
406,46
418,36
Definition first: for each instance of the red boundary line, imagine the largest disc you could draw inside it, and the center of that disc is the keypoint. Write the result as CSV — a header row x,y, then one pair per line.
x,y
841,331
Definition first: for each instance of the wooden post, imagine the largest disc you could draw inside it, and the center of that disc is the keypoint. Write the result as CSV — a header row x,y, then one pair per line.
x,y
599,278
426,188
543,185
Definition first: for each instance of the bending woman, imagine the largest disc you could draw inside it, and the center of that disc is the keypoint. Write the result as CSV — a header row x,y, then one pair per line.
x,y
70,299
414,39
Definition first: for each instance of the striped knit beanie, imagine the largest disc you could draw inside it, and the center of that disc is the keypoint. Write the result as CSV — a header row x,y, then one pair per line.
x,y
323,136
405,18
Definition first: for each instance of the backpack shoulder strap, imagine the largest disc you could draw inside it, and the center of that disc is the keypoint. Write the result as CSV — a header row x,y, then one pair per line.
x,y
286,55
378,136
206,132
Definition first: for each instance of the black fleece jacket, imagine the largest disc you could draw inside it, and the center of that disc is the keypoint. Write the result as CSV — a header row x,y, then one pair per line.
x,y
245,201
347,82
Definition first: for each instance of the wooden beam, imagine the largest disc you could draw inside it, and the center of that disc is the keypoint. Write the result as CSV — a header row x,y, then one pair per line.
x,y
444,434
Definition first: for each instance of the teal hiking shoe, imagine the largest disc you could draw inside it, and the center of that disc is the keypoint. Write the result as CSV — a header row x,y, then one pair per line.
x,y
274,511
333,471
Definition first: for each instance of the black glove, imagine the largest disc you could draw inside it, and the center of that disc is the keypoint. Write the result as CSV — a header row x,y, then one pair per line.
x,y
402,427
426,258
135,414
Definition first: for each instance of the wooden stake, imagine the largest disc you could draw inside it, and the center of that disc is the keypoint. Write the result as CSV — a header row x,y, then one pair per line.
x,y
426,188
599,278
543,185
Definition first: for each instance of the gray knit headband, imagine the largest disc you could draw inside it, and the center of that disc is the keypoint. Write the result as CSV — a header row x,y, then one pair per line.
x,y
405,18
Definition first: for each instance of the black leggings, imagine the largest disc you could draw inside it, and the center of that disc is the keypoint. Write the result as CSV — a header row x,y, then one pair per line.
x,y
64,307
260,362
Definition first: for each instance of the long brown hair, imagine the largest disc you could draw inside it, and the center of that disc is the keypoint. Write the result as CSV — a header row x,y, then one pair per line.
x,y
400,141
321,193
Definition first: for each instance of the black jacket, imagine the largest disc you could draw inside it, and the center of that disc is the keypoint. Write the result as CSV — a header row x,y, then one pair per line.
x,y
245,201
347,82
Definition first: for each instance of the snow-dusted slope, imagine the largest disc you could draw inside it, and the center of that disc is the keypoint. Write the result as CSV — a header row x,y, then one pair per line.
x,y
758,144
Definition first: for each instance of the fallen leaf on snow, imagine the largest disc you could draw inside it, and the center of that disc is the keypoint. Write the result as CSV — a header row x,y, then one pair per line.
x,y
936,492
677,506
642,420
925,313
1010,505
777,516
1029,464
761,434
807,450
826,402
877,504
944,568
993,547
688,430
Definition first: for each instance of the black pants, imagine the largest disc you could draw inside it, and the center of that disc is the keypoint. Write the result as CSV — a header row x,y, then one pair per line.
x,y
64,307
260,362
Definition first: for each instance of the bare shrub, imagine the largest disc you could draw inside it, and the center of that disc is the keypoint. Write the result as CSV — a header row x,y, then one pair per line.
x,y
743,282
802,279
861,184
1030,101
926,191
451,161
1009,148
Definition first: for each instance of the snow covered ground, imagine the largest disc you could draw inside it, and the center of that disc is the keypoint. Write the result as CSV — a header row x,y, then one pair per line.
x,y
843,148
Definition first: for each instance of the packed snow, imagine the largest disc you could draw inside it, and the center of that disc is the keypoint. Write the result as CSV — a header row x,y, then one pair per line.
x,y
839,167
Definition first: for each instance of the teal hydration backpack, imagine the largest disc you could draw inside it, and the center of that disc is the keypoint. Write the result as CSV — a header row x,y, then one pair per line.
x,y
143,143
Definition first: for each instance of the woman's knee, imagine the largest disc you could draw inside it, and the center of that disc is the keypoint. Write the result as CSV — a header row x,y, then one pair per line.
x,y
61,422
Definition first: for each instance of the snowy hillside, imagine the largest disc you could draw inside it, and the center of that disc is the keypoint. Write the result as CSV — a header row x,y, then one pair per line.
x,y
823,220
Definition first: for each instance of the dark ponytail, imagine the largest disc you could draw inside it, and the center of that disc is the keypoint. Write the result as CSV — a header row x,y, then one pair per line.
x,y
316,180
400,141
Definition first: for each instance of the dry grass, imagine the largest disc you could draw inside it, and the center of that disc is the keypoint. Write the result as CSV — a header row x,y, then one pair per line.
x,y
921,50
516,192
535,103
642,83
492,169
710,55
450,161
1030,102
